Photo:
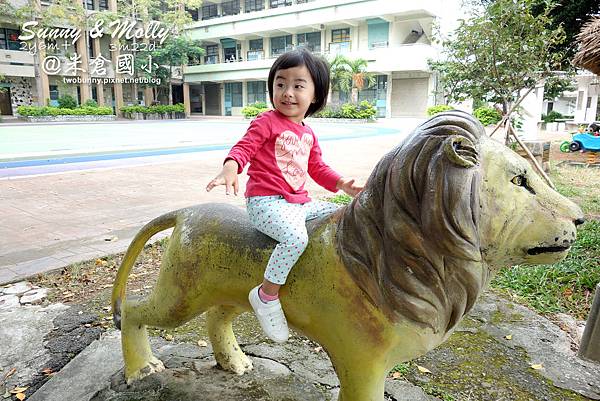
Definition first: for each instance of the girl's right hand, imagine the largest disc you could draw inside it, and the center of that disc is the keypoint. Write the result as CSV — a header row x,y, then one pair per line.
x,y
228,177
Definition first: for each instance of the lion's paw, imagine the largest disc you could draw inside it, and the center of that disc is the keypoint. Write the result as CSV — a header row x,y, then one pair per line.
x,y
238,364
154,366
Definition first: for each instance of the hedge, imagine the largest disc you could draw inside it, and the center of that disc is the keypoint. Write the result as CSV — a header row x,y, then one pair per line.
x,y
31,111
438,109
158,109
363,110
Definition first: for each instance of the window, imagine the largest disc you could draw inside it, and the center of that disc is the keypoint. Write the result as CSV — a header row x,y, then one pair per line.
x,y
257,91
310,40
229,54
254,5
89,4
193,12
280,3
212,54
256,50
230,7
340,35
281,44
9,39
54,95
91,53
303,1
255,44
209,10
103,4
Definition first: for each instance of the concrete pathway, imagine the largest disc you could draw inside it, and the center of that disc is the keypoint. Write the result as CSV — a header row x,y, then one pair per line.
x,y
92,209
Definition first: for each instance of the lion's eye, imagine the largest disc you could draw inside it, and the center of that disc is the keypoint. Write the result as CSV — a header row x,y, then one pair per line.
x,y
518,180
521,181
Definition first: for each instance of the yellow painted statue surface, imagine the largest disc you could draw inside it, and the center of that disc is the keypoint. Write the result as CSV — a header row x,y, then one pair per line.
x,y
384,279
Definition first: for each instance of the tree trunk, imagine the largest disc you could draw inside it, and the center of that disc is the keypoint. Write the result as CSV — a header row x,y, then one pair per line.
x,y
355,95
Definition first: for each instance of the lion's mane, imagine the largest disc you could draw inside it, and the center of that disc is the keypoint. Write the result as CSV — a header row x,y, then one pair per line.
x,y
410,239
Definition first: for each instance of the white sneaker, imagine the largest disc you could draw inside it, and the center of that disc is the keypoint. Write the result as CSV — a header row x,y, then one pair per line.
x,y
270,316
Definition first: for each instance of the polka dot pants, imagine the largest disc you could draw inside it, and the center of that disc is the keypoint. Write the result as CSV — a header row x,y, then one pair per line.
x,y
286,223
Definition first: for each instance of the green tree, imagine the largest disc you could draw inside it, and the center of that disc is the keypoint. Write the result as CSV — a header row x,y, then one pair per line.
x,y
175,51
350,76
503,49
570,15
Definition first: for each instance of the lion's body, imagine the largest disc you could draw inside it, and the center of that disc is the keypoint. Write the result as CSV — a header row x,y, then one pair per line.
x,y
336,292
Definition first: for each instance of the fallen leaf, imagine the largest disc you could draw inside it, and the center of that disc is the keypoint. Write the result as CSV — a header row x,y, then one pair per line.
x,y
423,370
20,396
10,373
99,262
202,343
396,375
18,390
169,337
536,366
47,371
508,336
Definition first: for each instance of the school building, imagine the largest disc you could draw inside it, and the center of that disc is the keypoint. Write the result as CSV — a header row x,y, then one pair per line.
x,y
241,39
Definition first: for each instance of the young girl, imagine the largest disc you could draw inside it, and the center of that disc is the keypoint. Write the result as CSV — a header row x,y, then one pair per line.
x,y
281,150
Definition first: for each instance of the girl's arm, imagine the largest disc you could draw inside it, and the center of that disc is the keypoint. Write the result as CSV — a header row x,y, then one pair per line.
x,y
243,151
240,154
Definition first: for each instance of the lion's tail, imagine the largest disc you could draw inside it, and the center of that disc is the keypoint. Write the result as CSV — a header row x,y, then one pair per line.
x,y
157,225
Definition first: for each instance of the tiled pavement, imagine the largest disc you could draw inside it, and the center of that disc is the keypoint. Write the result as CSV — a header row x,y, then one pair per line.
x,y
50,221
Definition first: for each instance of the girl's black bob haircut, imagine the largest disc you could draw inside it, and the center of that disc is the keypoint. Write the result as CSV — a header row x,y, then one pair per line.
x,y
318,69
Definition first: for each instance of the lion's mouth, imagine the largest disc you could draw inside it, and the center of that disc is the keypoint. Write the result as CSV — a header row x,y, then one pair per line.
x,y
546,249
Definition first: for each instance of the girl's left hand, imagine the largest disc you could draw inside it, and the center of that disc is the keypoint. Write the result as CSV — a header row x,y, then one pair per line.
x,y
347,185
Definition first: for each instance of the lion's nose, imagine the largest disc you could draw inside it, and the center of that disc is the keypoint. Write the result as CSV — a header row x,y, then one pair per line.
x,y
579,221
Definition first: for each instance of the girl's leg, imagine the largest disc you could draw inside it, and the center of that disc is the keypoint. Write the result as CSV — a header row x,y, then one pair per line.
x,y
285,223
315,209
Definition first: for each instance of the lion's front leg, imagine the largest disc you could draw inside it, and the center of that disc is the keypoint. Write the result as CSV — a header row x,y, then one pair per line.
x,y
227,351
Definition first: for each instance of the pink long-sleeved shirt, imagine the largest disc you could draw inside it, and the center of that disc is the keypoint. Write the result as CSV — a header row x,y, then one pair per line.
x,y
281,153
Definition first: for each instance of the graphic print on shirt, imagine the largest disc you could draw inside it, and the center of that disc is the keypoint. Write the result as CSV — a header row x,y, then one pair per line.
x,y
292,155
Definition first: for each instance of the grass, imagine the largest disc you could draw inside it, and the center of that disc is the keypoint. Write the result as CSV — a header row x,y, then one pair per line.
x,y
562,287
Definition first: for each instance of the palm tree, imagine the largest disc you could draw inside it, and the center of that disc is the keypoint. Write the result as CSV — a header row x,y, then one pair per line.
x,y
350,75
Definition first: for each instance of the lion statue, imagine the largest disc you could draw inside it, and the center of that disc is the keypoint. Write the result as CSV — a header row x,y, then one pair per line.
x,y
384,279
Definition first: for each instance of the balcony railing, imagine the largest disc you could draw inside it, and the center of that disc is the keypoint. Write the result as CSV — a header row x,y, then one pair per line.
x,y
378,45
340,47
211,59
255,55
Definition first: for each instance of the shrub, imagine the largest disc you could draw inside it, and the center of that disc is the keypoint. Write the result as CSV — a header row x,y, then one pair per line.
x,y
363,110
90,103
67,102
438,109
33,111
552,117
156,109
252,110
487,115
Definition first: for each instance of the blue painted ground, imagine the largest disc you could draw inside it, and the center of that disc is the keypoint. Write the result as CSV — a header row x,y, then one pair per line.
x,y
40,149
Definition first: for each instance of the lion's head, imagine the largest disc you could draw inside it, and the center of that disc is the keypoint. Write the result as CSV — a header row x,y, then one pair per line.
x,y
440,213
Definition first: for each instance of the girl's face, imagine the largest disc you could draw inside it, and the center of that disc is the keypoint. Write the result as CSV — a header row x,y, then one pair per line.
x,y
293,92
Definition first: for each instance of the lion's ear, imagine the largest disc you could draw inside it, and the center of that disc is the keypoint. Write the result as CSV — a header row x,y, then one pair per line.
x,y
461,151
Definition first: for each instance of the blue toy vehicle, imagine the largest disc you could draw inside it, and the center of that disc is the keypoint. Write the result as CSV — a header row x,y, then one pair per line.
x,y
585,141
